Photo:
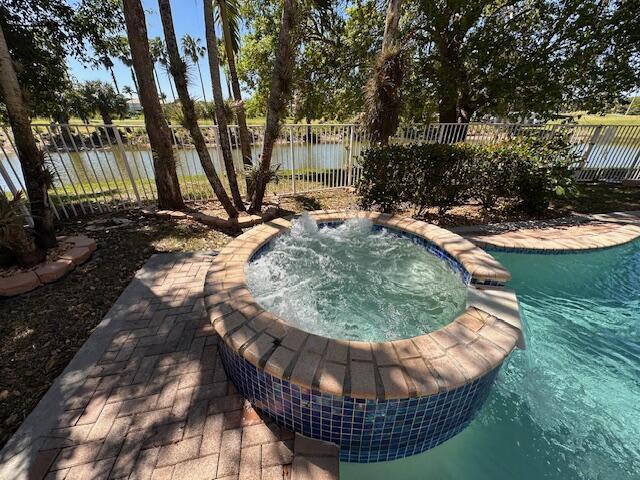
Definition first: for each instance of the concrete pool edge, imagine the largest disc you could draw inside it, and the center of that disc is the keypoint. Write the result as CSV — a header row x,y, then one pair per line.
x,y
576,234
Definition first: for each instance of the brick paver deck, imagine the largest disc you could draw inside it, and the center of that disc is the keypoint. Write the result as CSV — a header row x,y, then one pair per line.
x,y
147,398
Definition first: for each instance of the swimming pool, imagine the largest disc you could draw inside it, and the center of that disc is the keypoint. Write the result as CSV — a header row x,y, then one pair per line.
x,y
568,407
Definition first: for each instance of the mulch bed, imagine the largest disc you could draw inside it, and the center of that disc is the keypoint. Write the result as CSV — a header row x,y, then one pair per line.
x,y
41,331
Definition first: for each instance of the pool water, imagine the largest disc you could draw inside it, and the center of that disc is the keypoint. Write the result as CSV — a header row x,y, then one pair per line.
x,y
354,282
569,406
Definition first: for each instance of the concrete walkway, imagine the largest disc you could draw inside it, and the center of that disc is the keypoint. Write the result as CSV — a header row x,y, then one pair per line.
x,y
146,397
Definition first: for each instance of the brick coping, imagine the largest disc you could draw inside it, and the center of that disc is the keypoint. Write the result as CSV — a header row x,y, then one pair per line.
x,y
472,345
79,251
568,235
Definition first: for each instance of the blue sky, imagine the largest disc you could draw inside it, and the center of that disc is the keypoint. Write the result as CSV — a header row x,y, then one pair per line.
x,y
187,18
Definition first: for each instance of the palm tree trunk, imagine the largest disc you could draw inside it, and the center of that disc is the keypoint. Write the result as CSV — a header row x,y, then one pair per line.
x,y
135,82
30,156
169,195
218,101
18,241
173,93
155,73
204,96
382,92
113,77
279,94
178,70
245,137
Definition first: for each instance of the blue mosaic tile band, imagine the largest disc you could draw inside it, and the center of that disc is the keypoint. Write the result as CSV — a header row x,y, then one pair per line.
x,y
416,239
366,430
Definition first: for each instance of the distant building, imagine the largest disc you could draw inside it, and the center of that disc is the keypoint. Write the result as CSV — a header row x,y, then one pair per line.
x,y
134,105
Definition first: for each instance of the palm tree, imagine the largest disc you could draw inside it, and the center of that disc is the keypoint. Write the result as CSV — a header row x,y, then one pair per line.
x,y
159,50
107,63
179,71
100,97
279,93
230,21
169,195
125,57
192,49
156,47
382,91
127,90
31,158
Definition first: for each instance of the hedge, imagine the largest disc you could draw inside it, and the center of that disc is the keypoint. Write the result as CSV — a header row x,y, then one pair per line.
x,y
526,172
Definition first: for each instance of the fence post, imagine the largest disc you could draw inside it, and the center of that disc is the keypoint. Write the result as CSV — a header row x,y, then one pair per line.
x,y
350,158
293,161
126,164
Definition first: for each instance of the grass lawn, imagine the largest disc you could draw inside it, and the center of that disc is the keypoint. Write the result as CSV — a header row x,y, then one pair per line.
x,y
609,119
41,331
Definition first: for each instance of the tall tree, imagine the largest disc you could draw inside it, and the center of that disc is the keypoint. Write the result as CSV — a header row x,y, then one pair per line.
x,y
230,20
382,92
279,96
169,195
156,47
124,55
192,50
218,99
162,57
100,97
31,158
179,72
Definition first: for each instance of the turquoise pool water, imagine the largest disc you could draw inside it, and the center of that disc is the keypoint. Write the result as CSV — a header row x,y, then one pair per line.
x,y
569,406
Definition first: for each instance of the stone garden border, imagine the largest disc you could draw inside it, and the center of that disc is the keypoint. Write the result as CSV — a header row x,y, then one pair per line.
x,y
79,251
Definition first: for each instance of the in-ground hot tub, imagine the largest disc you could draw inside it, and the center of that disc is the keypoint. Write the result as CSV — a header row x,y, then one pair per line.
x,y
378,400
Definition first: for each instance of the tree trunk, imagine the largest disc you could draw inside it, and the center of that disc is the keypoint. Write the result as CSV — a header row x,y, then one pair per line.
x,y
178,70
204,96
383,101
30,156
218,102
169,195
155,73
279,94
113,77
245,136
22,247
135,82
173,93
391,23
106,117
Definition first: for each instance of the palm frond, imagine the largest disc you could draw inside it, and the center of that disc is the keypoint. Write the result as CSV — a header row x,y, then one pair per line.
x,y
229,12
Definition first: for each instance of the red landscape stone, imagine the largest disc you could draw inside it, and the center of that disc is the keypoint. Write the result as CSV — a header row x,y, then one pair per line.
x,y
18,283
52,271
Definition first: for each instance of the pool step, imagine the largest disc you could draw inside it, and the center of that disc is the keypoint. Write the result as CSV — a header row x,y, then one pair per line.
x,y
315,460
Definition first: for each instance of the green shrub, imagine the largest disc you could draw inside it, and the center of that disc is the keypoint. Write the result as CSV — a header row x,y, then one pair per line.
x,y
544,170
426,175
526,171
493,168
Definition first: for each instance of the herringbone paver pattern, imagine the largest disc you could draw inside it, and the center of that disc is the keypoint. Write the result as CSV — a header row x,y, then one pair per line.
x,y
158,405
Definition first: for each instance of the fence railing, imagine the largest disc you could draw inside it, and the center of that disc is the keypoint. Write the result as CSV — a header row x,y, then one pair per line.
x,y
100,168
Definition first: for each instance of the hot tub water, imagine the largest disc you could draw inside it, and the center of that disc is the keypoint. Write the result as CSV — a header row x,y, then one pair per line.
x,y
352,281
